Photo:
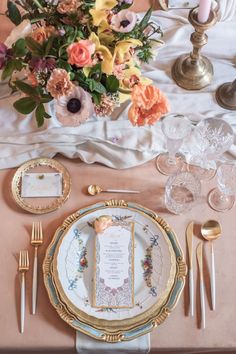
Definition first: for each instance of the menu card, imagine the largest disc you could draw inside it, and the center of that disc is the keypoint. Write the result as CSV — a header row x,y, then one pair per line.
x,y
114,270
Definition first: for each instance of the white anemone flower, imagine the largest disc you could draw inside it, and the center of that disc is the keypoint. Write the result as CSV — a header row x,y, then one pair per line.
x,y
74,109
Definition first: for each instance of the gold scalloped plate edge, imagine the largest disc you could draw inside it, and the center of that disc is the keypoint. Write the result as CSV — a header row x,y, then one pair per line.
x,y
42,161
109,334
128,322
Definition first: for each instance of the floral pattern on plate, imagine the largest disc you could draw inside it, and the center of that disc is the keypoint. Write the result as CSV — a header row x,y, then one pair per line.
x,y
80,280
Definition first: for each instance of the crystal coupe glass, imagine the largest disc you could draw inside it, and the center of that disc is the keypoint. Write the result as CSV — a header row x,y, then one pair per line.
x,y
211,138
175,127
222,198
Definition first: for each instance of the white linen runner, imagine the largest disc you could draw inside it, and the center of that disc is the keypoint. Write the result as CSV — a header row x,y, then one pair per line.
x,y
104,140
86,345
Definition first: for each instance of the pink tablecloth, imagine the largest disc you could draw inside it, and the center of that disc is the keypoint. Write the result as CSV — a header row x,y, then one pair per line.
x,y
46,332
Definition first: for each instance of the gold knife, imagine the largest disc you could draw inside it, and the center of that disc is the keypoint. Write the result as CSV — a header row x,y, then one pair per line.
x,y
189,236
202,295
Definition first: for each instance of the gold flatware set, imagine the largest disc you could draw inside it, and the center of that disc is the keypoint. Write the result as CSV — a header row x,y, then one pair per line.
x,y
210,230
24,265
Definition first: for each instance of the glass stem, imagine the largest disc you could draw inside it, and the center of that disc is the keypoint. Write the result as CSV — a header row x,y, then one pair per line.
x,y
223,196
172,147
171,158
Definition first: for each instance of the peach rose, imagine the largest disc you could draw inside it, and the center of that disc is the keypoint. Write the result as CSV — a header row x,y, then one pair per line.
x,y
59,83
148,105
102,223
39,35
42,34
67,6
80,53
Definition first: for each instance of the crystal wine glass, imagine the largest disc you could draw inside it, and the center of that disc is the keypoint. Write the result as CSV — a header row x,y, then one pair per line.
x,y
182,191
222,198
175,127
211,138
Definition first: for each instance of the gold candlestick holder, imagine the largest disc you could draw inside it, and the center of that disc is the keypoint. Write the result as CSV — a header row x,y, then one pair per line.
x,y
194,71
226,95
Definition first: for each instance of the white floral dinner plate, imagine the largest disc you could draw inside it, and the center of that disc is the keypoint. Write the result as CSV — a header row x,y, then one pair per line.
x,y
69,264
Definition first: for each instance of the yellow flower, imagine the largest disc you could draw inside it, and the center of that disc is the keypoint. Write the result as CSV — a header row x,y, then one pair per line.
x,y
105,4
107,63
100,11
98,16
105,33
122,51
132,76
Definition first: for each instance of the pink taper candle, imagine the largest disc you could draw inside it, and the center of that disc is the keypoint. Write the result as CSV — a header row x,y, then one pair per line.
x,y
204,10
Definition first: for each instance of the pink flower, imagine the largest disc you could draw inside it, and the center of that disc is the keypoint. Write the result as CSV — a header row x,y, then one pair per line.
x,y
3,55
80,53
124,21
118,71
74,108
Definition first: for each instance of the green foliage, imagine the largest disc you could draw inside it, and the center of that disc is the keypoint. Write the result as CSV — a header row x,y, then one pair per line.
x,y
96,97
96,72
25,105
40,114
95,86
64,65
145,53
144,23
12,65
13,13
19,48
36,48
112,83
45,98
27,89
48,46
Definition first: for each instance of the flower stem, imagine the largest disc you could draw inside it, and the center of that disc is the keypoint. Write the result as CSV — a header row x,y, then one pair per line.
x,y
37,3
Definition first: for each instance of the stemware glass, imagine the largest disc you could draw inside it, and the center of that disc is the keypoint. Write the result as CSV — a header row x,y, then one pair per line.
x,y
211,138
182,191
222,198
175,128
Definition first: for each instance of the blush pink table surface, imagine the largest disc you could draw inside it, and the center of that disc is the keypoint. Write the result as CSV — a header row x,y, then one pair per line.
x,y
47,333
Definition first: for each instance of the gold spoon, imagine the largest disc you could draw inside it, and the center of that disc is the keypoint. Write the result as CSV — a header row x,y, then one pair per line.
x,y
94,189
211,230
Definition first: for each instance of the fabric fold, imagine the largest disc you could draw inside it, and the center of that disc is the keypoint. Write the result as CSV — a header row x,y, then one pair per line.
x,y
115,142
85,345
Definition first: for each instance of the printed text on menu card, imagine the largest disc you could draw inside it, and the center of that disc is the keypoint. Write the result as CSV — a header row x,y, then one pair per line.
x,y
114,272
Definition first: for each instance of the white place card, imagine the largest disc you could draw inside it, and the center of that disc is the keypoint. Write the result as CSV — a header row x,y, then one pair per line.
x,y
41,185
114,270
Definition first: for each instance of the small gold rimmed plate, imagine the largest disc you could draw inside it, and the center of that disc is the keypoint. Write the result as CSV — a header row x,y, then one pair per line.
x,y
40,205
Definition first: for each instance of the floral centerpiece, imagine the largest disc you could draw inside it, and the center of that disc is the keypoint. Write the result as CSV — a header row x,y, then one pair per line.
x,y
86,55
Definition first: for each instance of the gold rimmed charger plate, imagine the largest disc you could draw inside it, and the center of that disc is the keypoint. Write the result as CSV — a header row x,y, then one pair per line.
x,y
136,325
40,205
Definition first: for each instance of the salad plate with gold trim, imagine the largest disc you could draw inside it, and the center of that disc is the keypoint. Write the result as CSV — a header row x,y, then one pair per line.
x,y
40,166
159,272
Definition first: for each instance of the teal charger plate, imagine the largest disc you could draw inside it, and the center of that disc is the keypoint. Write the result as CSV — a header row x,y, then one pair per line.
x,y
108,334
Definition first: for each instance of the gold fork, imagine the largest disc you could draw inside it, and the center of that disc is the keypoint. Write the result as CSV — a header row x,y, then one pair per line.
x,y
36,241
23,267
